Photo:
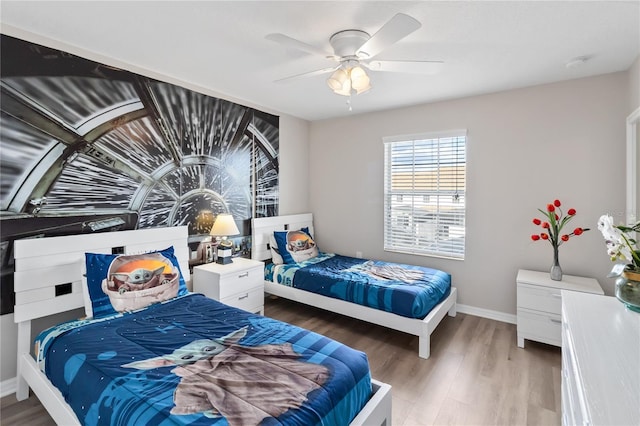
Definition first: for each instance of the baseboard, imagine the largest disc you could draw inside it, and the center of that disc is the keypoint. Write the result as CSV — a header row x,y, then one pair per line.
x,y
7,387
486,313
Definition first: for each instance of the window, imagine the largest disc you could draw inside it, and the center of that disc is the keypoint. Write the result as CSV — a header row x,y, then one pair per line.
x,y
424,194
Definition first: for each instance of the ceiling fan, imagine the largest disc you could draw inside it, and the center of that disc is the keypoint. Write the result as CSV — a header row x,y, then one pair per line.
x,y
355,50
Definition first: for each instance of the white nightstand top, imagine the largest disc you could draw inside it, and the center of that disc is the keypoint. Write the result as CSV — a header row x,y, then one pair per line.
x,y
569,282
239,264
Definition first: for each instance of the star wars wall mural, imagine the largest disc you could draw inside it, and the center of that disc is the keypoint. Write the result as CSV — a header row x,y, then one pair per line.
x,y
86,147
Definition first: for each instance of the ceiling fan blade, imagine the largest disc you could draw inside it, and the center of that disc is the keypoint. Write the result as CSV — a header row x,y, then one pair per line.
x,y
307,74
409,67
395,29
287,41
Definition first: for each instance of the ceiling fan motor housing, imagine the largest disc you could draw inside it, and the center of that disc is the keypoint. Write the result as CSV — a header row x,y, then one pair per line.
x,y
346,43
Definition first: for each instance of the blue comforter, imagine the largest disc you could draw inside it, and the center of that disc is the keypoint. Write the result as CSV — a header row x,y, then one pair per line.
x,y
406,290
196,361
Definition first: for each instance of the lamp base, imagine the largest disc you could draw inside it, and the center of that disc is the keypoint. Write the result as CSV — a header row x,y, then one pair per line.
x,y
224,260
224,255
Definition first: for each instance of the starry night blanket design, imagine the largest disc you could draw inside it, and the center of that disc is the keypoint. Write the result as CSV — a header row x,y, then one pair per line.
x,y
407,290
195,361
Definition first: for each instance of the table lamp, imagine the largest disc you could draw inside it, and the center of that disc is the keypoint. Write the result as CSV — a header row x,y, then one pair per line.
x,y
224,226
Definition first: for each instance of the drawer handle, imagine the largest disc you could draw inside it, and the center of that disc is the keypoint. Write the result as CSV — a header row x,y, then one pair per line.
x,y
555,320
556,295
243,297
246,274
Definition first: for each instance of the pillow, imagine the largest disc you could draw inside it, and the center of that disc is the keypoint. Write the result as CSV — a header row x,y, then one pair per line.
x,y
276,258
295,246
124,283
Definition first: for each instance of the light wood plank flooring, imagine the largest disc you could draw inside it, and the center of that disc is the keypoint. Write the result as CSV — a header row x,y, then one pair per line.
x,y
476,374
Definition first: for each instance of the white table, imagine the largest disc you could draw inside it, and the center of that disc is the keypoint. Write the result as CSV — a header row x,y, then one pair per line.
x,y
239,284
539,304
600,361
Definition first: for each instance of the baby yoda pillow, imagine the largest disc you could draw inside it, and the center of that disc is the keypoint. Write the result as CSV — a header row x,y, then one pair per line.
x,y
295,246
124,283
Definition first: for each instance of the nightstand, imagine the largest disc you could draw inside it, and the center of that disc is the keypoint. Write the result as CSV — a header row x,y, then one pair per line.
x,y
239,284
539,305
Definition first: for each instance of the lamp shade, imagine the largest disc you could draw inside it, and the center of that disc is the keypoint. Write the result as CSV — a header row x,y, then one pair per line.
x,y
224,226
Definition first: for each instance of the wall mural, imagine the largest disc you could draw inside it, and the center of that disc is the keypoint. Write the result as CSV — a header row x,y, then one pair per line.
x,y
86,147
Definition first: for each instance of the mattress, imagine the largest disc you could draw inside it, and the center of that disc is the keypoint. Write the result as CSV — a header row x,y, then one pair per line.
x,y
193,360
407,290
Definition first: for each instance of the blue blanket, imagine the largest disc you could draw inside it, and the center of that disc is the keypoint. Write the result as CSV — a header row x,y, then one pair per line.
x,y
196,361
406,290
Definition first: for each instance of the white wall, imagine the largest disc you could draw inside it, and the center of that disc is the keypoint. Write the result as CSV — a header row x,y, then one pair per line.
x,y
634,86
525,148
294,165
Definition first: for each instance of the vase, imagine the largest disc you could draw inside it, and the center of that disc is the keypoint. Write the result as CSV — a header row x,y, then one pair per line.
x,y
556,270
628,289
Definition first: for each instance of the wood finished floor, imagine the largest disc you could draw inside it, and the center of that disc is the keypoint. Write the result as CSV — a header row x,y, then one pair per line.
x,y
476,374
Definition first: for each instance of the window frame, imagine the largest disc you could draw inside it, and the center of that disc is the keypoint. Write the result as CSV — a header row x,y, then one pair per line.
x,y
434,205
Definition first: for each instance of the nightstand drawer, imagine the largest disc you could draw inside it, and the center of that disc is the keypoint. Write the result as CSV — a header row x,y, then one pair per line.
x,y
248,300
241,281
546,327
239,284
539,298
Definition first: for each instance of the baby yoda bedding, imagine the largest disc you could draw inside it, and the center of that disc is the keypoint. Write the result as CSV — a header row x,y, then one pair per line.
x,y
195,361
407,290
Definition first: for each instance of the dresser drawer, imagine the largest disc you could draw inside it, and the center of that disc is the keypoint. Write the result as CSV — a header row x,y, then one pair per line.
x,y
241,281
249,300
539,298
546,327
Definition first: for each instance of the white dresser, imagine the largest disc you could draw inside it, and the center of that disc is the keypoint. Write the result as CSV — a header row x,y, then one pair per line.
x,y
539,304
600,361
239,284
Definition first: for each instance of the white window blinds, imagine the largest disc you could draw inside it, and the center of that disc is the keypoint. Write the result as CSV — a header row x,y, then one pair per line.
x,y
424,194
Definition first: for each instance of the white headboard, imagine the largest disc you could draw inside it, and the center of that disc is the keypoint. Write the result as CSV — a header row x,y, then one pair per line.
x,y
49,271
263,227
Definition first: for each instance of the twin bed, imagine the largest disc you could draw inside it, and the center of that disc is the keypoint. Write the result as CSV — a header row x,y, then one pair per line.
x,y
174,357
415,308
184,360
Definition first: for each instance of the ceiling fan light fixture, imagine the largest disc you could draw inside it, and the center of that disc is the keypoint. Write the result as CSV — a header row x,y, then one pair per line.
x,y
360,81
354,51
338,80
363,90
343,81
344,92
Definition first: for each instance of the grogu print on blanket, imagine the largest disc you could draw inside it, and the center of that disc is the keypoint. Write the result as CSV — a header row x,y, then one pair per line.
x,y
244,384
387,271
136,281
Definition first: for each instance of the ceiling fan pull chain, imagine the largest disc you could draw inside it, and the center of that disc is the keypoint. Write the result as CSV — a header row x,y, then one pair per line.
x,y
349,103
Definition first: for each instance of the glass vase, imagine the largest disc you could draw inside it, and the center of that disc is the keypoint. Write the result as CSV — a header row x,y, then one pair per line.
x,y
556,270
628,289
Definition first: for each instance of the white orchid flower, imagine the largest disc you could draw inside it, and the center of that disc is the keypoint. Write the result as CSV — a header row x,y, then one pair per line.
x,y
619,247
609,231
626,253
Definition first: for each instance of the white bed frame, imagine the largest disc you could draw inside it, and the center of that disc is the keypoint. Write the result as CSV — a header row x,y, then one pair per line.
x,y
262,230
46,266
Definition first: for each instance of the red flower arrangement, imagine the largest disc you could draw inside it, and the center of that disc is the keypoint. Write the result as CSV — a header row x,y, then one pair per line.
x,y
556,221
552,231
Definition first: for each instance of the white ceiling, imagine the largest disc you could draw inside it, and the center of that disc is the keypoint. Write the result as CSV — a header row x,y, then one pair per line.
x,y
486,46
